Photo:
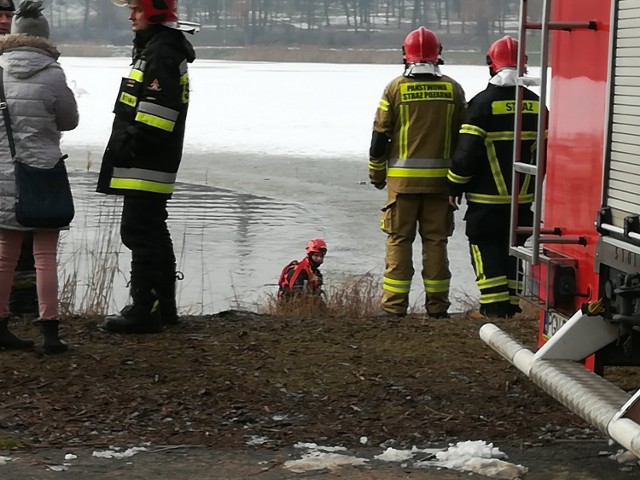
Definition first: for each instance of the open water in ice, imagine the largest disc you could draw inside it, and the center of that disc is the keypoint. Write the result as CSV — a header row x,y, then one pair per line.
x,y
275,154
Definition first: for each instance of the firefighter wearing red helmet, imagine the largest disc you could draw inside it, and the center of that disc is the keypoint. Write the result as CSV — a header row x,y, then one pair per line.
x,y
482,171
421,45
142,158
415,132
304,277
502,54
160,11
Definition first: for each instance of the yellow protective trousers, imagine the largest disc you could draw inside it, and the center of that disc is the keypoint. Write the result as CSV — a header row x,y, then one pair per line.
x,y
432,217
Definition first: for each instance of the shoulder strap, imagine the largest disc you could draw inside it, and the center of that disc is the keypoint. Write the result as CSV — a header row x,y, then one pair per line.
x,y
302,266
5,113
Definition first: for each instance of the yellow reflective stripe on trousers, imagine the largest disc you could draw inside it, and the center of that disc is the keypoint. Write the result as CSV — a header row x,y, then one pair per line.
x,y
403,140
516,284
396,286
477,261
485,283
436,286
494,298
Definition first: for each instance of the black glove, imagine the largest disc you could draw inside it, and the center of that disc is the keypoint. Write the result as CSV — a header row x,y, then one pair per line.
x,y
380,185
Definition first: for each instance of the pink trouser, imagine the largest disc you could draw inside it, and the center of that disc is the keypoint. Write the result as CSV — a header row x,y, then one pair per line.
x,y
45,244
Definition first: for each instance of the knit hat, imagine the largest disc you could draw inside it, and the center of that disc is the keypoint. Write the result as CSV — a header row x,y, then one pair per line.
x,y
29,20
7,6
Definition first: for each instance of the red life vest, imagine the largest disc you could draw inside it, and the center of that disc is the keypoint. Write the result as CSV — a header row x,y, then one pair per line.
x,y
290,274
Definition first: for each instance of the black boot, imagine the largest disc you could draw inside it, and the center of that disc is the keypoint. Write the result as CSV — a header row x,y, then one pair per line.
x,y
166,288
52,343
143,316
8,341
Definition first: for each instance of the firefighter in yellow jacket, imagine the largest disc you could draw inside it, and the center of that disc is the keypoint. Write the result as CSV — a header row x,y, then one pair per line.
x,y
414,135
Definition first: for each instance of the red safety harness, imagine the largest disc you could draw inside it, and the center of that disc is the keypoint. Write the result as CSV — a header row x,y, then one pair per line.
x,y
287,282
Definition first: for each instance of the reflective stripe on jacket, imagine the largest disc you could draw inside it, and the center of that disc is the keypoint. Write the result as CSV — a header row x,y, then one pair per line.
x,y
482,163
421,115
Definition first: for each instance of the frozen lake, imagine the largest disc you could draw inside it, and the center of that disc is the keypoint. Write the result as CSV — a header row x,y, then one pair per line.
x,y
275,154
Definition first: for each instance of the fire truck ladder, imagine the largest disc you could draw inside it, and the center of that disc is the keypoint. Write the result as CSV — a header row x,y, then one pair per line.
x,y
532,253
557,366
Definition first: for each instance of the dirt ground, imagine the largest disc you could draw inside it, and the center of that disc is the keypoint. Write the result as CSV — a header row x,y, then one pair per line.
x,y
237,391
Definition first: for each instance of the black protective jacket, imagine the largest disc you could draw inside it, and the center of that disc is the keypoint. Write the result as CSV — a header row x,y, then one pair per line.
x,y
482,163
145,147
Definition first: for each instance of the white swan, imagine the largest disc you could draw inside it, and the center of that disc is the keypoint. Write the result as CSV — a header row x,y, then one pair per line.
x,y
78,91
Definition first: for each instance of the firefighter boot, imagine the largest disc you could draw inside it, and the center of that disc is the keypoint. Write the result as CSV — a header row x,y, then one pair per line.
x,y
142,316
166,288
8,341
52,343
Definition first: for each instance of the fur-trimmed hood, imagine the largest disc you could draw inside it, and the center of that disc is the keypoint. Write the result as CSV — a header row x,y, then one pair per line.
x,y
25,55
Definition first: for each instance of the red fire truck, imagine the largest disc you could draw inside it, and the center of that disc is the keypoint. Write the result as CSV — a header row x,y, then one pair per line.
x,y
582,263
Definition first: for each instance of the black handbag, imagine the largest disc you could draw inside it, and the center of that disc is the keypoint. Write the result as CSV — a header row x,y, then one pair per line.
x,y
43,195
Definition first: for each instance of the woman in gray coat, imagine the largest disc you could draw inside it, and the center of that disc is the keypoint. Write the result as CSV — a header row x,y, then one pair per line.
x,y
41,105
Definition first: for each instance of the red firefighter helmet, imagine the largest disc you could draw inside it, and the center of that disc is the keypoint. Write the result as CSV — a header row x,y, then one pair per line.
x,y
503,53
155,11
421,45
317,245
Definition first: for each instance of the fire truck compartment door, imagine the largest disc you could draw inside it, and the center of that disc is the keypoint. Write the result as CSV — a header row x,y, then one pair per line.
x,y
622,187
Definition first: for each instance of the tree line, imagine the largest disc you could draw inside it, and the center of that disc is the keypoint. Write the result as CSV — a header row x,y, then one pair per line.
x,y
85,19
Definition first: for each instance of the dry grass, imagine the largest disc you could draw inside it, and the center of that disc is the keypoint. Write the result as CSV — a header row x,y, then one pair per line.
x,y
357,297
86,285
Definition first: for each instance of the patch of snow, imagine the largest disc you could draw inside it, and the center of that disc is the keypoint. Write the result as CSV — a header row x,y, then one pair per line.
x,y
476,457
113,453
313,446
4,460
470,449
70,456
393,455
364,440
58,468
257,440
316,460
624,456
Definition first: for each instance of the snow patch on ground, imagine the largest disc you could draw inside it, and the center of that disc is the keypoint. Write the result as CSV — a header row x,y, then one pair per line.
x,y
114,453
476,457
317,460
